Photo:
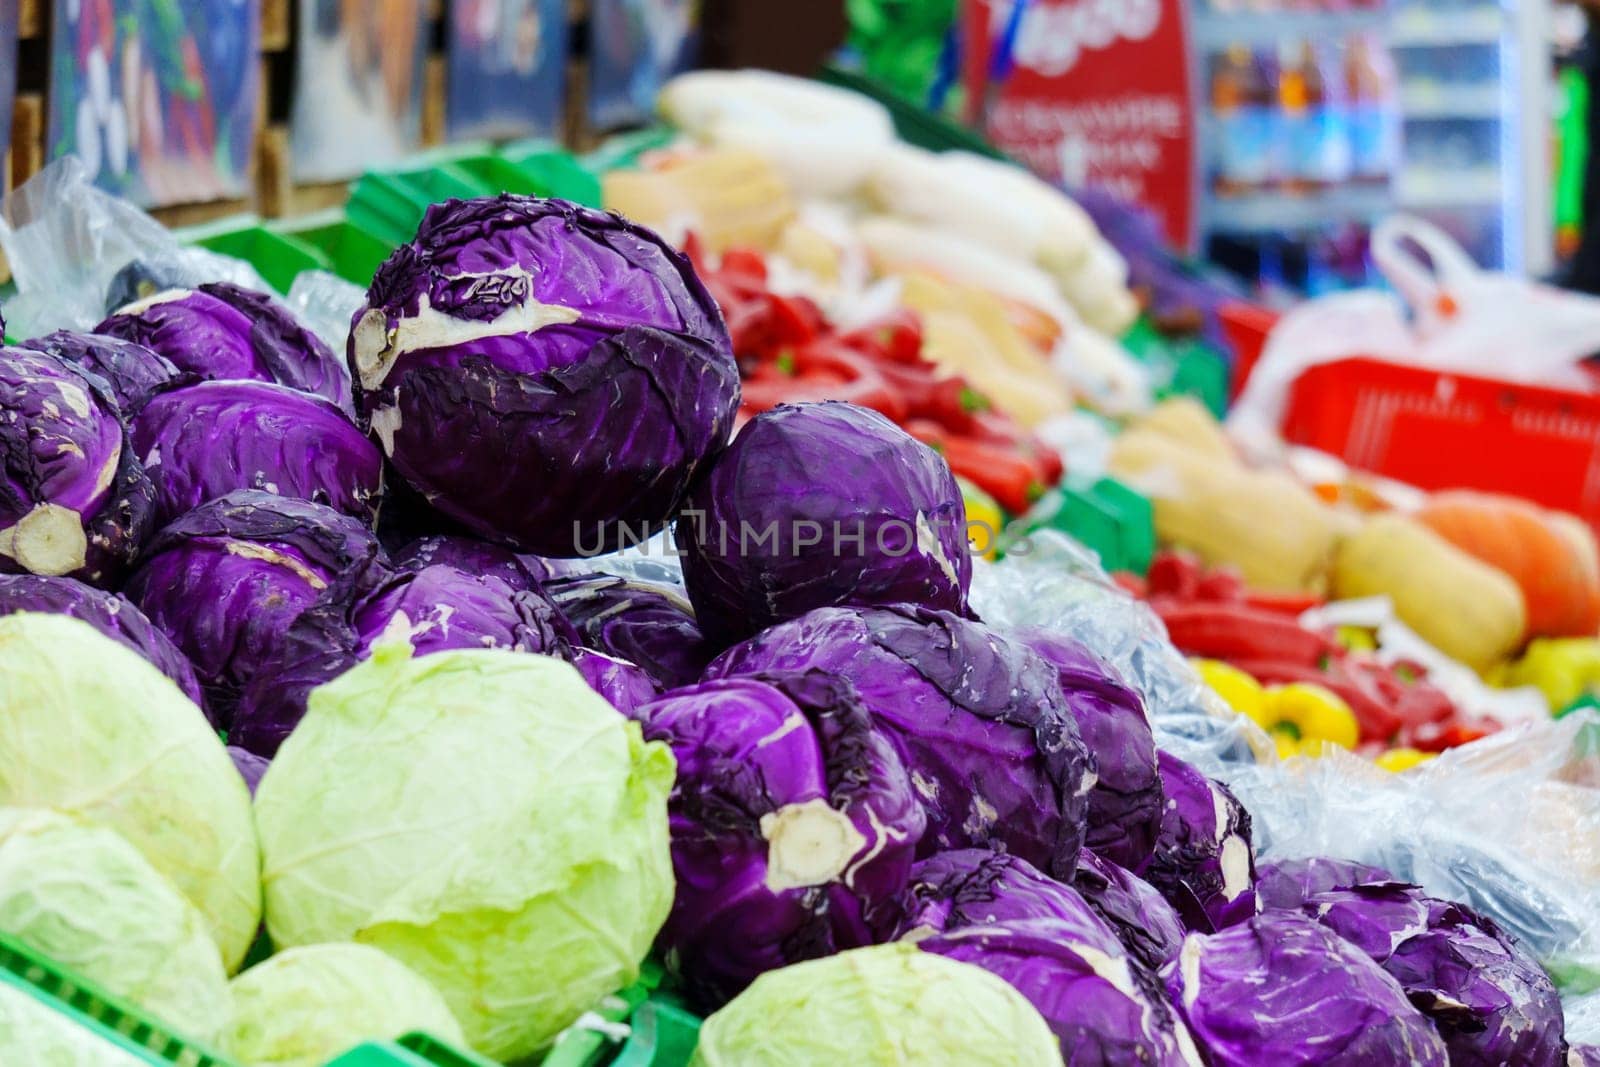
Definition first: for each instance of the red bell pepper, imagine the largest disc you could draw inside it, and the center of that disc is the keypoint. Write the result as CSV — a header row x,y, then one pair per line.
x,y
1219,630
1174,574
822,371
1012,478
1376,717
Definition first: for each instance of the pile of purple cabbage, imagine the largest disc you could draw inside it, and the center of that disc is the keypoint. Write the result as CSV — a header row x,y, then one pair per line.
x,y
532,386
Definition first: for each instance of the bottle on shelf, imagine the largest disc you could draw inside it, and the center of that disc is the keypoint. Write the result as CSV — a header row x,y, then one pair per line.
x,y
1373,102
1316,135
1242,105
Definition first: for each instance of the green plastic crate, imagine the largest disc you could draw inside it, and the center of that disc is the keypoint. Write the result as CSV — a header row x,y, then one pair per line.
x,y
1111,518
551,170
652,1028
915,125
412,1050
622,152
276,255
85,1004
1180,366
349,251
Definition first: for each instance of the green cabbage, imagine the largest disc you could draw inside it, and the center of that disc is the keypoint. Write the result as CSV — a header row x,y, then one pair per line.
x,y
482,816
84,897
89,728
886,1006
35,1035
304,1006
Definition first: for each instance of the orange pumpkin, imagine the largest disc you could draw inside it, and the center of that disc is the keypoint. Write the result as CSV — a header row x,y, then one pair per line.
x,y
1552,557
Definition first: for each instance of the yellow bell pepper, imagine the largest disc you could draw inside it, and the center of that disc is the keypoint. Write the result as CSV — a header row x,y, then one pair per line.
x,y
1563,669
1402,759
1357,638
1238,690
984,519
1310,714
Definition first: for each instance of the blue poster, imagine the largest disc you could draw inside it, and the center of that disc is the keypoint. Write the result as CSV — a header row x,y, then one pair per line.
x,y
159,98
635,46
507,67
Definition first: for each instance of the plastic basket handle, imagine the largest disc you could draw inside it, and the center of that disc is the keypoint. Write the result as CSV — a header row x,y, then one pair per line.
x,y
1425,286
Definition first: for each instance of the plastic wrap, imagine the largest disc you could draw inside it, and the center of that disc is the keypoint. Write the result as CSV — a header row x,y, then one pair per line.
x,y
326,303
1051,582
1509,825
68,241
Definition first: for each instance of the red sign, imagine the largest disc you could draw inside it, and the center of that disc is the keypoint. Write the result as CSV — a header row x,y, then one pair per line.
x,y
1098,93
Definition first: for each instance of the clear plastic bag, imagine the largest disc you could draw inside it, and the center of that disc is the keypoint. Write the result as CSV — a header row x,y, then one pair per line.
x,y
1509,825
67,242
1050,582
326,303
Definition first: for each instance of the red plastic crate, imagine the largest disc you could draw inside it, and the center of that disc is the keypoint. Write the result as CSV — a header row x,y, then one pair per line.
x,y
1246,327
1449,431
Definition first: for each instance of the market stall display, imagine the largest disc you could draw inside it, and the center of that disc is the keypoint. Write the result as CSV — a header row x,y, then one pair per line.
x,y
408,715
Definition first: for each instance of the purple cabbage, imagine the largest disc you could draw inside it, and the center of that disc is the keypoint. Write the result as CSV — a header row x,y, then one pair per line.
x,y
1125,805
818,505
74,498
644,623
792,819
224,333
204,441
979,720
1281,989
133,372
226,581
1001,913
435,608
1203,862
1290,883
112,614
546,375
1105,1008
518,570
251,766
1583,1056
976,887
1148,926
1492,1002
625,686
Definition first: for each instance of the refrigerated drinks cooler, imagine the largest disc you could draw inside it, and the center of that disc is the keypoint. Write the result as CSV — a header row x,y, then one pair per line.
x,y
1317,117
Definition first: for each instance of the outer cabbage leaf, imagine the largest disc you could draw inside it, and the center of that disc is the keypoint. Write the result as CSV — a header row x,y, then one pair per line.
x,y
1148,926
517,569
226,580
1203,861
1492,1002
74,498
434,609
645,623
625,687
1126,803
120,745
483,817
305,1006
37,1035
204,441
1290,883
1104,1007
977,886
133,372
111,614
81,895
227,333
883,1006
818,505
543,374
1281,989
793,821
980,722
